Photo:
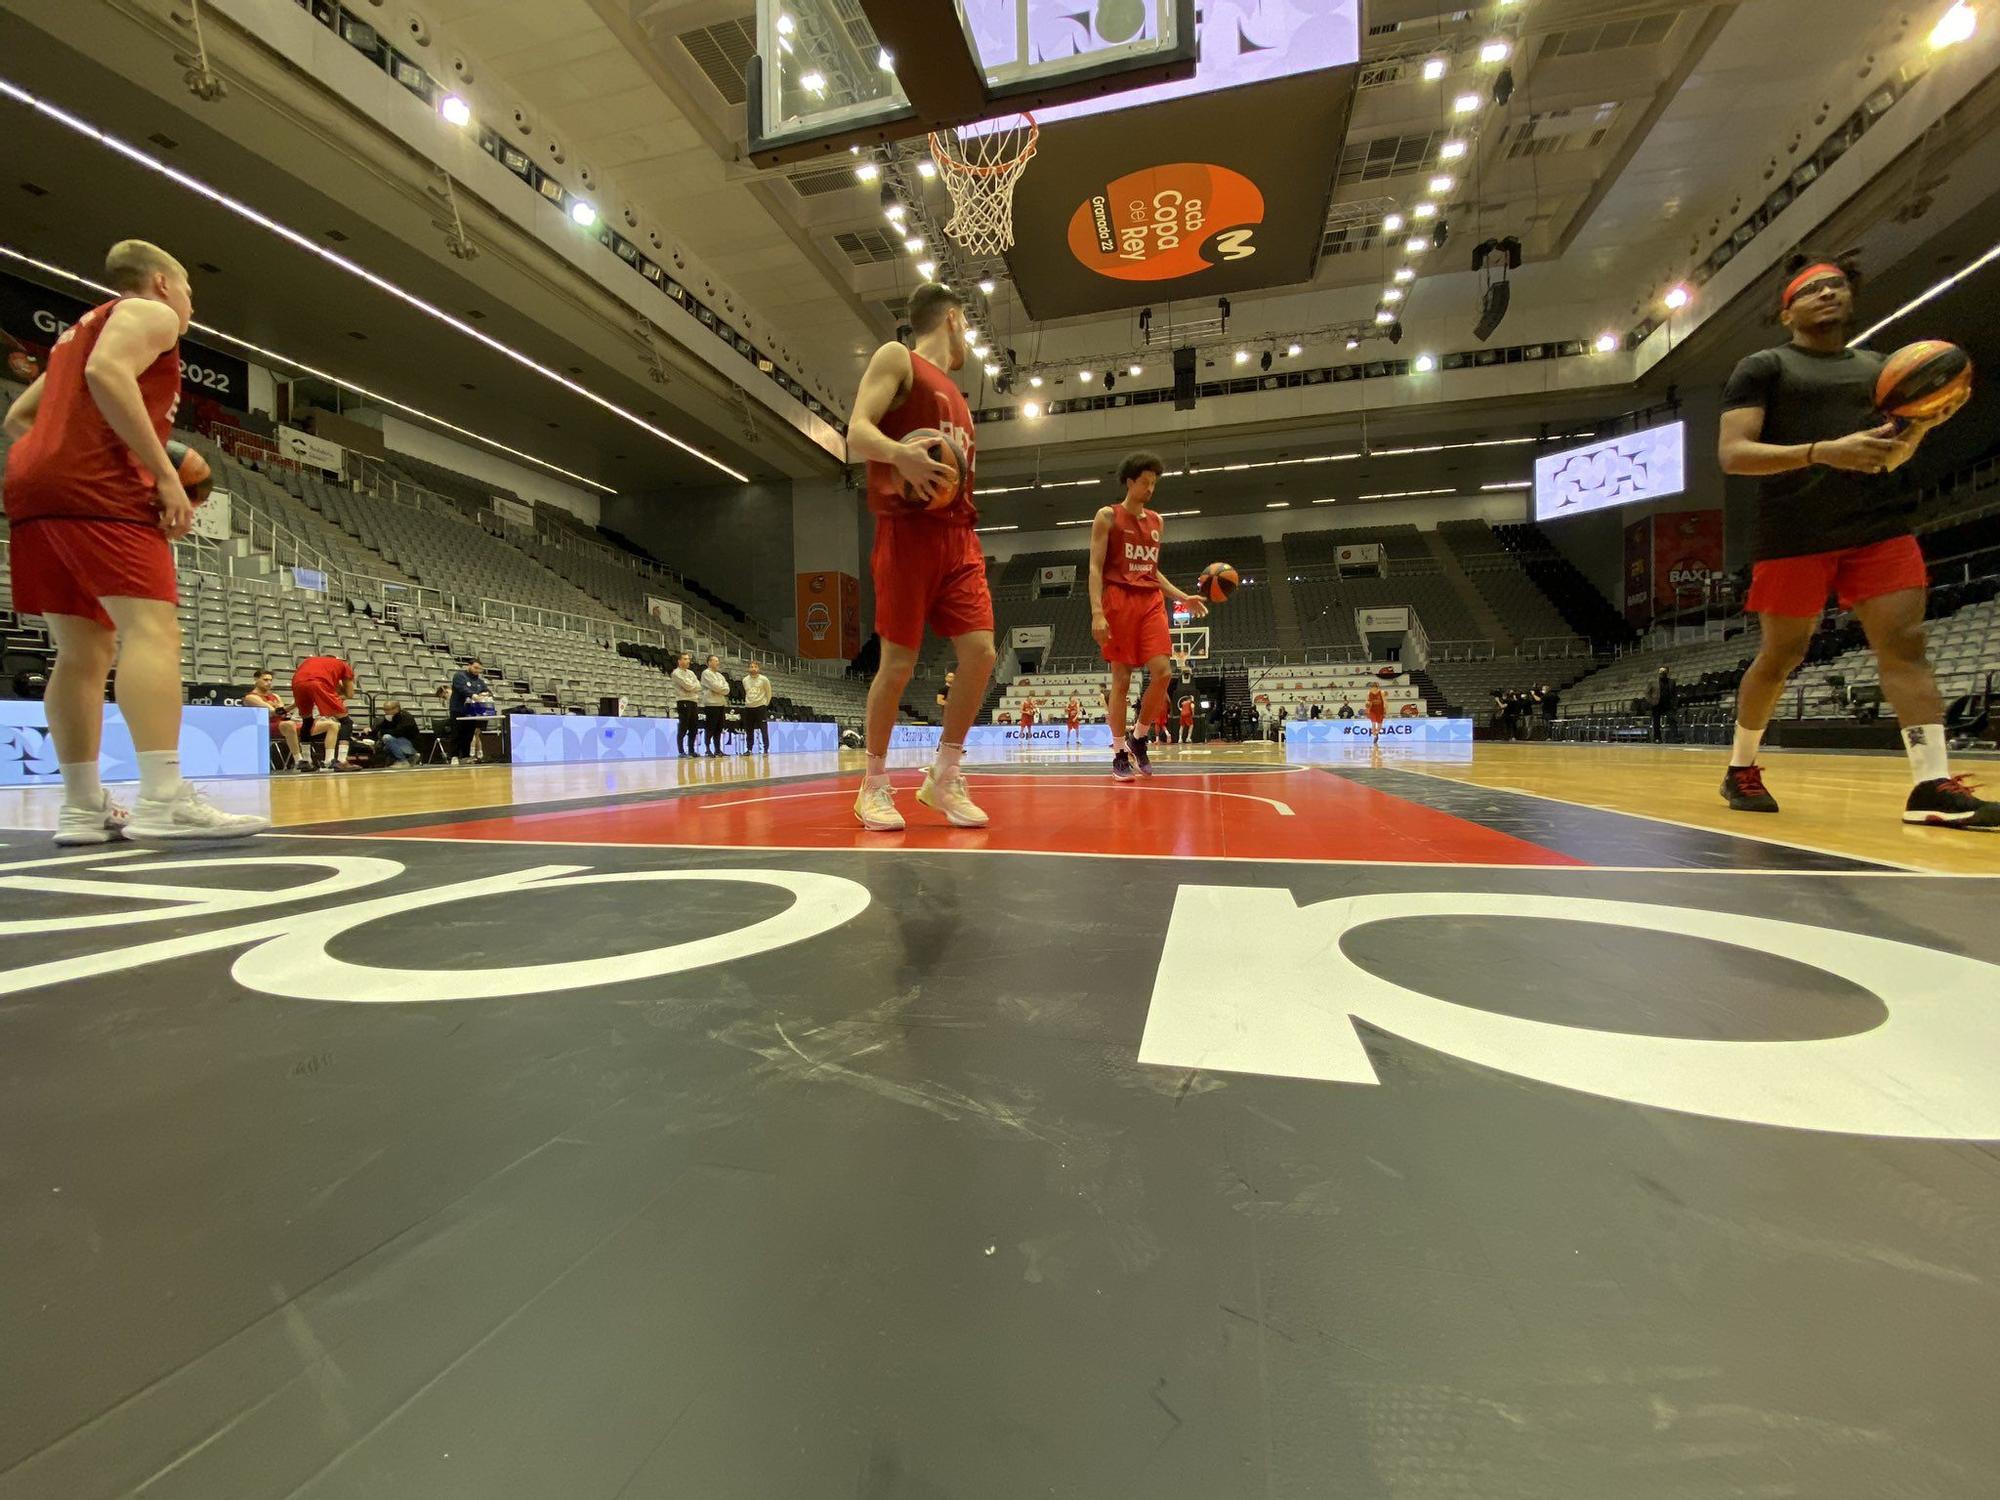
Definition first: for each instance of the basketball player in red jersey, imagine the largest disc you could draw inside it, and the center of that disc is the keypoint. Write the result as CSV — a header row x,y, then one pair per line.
x,y
1128,613
94,503
1073,717
1028,710
1187,720
927,564
1831,519
1378,711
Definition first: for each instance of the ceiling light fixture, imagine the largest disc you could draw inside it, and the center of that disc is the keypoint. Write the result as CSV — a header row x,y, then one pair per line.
x,y
1356,343
1135,371
1424,211
1392,294
1465,104
1011,526
1954,26
582,214
1451,150
1433,69
1676,298
1512,484
868,171
1936,290
455,111
1416,244
991,368
1439,186
1384,317
914,243
785,24
1405,273
1294,350
1606,343
1035,381
1085,376
1392,223
1243,356
926,168
1496,51
1277,505
1031,409
927,269
1425,363
985,288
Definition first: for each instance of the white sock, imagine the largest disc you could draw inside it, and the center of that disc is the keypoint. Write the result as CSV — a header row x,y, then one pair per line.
x,y
878,769
159,775
81,788
1744,751
1926,747
946,765
1139,733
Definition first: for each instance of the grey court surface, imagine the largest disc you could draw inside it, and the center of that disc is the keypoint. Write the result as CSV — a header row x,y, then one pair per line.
x,y
489,1170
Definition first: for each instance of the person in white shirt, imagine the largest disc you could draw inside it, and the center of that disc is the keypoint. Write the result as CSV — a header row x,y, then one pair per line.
x,y
687,689
714,698
756,708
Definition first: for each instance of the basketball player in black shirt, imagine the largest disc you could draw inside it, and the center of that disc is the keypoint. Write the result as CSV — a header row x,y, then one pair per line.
x,y
1832,519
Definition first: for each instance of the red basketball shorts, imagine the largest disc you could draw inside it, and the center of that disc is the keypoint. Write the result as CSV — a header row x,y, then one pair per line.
x,y
1799,586
1138,621
315,700
64,567
928,573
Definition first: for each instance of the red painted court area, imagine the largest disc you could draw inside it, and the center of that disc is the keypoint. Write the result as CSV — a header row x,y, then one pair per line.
x,y
1297,814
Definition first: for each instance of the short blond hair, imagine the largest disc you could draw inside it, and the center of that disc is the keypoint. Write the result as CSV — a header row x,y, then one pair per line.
x,y
131,265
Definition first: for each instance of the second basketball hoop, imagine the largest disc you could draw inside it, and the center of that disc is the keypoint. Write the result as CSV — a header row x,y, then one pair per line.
x,y
980,165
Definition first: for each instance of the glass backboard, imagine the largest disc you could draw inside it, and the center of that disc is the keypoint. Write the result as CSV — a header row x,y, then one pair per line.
x,y
830,73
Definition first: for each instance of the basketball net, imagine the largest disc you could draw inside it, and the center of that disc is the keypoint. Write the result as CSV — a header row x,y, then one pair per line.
x,y
979,171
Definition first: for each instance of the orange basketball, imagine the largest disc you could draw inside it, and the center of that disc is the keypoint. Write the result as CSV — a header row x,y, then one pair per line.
x,y
942,450
1218,581
196,479
1923,380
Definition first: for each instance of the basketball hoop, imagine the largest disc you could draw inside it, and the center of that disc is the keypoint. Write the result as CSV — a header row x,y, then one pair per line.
x,y
980,165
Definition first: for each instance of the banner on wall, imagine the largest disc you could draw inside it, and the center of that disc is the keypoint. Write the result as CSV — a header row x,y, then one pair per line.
x,y
666,613
1060,579
36,317
1381,621
1031,637
311,450
514,512
1687,558
829,616
1637,577
1360,555
212,516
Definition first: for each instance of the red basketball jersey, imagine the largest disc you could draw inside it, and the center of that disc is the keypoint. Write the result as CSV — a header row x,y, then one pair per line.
x,y
71,463
1132,551
933,401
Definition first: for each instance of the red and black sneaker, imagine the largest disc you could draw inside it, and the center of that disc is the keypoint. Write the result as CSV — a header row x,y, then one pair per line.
x,y
1140,760
1743,789
1950,802
1121,766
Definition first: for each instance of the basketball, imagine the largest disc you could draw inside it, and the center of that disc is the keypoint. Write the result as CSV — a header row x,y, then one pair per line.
x,y
1923,380
942,450
1218,581
194,471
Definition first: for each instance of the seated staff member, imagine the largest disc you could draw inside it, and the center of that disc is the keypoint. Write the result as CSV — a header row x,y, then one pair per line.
x,y
283,725
756,708
687,693
321,688
396,734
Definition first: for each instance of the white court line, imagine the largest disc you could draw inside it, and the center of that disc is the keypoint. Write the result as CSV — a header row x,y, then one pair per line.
x,y
887,847
1283,809
1756,838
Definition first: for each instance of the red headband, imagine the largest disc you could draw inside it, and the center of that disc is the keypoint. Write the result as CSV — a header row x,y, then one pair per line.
x,y
1809,275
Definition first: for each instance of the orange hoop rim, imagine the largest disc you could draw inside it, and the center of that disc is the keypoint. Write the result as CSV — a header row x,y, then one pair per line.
x,y
947,162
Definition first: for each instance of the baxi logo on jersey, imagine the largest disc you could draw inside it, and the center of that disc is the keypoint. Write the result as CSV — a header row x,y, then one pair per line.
x,y
1140,559
1167,221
